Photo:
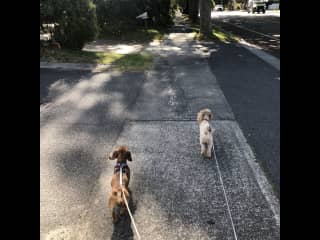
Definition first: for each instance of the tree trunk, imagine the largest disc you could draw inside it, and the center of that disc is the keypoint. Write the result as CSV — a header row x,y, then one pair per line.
x,y
193,9
205,17
186,8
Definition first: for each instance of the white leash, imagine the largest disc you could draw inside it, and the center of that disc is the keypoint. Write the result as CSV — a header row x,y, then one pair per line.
x,y
127,205
225,195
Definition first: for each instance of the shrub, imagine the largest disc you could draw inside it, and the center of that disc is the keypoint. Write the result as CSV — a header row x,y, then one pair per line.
x,y
76,24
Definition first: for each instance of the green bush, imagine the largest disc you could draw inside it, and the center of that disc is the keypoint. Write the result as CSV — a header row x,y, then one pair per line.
x,y
76,23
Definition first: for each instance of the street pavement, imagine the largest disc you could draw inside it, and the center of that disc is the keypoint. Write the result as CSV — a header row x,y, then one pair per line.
x,y
262,30
252,89
175,193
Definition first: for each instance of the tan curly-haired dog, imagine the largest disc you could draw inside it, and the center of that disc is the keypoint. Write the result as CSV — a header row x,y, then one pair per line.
x,y
206,132
116,201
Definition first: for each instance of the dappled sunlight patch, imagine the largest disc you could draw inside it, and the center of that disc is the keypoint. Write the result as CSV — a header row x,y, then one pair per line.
x,y
250,45
116,108
221,36
156,34
155,43
224,36
61,233
91,99
180,44
200,49
171,48
116,48
98,80
130,61
57,88
88,93
181,37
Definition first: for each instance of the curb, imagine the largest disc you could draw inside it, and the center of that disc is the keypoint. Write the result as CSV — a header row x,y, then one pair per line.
x,y
75,66
256,50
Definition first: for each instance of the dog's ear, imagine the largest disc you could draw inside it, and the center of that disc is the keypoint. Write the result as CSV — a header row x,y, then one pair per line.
x,y
210,115
200,116
128,156
113,155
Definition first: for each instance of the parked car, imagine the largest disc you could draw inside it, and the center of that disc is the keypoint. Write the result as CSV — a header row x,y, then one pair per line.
x,y
218,7
256,6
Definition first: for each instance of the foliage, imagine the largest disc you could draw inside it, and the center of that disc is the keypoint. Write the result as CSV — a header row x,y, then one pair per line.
x,y
75,21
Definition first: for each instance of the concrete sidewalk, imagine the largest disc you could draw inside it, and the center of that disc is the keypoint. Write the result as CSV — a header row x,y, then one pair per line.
x,y
175,193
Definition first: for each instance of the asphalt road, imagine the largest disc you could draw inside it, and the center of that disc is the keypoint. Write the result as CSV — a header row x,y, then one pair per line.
x,y
252,88
262,30
175,193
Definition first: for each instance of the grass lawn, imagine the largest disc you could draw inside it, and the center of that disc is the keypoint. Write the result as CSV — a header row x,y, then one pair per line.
x,y
134,61
217,34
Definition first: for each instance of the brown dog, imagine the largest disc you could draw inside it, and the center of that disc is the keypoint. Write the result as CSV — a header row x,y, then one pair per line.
x,y
116,201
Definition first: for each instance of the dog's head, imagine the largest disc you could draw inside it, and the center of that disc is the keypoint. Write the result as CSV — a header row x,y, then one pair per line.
x,y
204,114
121,153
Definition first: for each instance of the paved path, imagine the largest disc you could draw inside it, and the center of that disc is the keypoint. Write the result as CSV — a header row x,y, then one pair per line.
x,y
175,193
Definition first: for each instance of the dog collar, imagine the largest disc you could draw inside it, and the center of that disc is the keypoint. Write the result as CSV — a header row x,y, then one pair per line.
x,y
120,165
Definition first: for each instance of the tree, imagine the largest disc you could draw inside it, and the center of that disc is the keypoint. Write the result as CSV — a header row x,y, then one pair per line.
x,y
205,17
193,9
75,21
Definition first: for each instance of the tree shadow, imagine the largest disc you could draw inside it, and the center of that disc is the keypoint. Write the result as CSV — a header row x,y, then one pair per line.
x,y
54,82
78,167
80,128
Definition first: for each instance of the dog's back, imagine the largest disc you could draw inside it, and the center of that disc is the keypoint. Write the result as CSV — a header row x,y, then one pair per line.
x,y
206,131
